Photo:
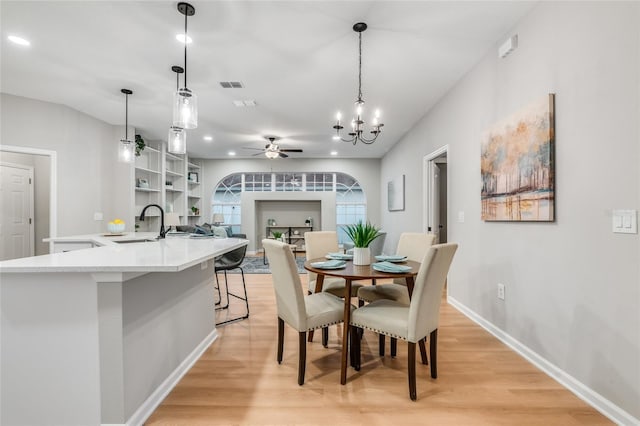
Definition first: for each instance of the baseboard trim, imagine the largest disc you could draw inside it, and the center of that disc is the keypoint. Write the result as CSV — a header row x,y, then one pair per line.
x,y
150,404
591,397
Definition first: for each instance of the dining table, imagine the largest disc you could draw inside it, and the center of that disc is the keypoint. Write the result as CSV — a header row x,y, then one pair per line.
x,y
350,273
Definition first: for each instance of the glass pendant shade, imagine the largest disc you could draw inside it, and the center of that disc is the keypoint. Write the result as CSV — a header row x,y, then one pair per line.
x,y
125,151
177,140
185,109
125,146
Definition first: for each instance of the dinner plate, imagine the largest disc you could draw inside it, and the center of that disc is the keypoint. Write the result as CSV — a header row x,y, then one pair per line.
x,y
114,234
339,256
329,265
391,268
391,258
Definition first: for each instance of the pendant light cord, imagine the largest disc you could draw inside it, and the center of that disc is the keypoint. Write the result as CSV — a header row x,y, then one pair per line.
x,y
185,50
126,117
360,66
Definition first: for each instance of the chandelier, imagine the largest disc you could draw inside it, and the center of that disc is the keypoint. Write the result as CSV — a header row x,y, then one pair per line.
x,y
357,123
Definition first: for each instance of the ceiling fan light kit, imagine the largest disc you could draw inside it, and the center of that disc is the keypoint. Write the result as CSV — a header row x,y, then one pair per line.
x,y
357,123
185,102
272,150
125,146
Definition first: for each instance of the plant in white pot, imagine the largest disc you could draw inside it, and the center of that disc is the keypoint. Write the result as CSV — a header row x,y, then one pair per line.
x,y
362,235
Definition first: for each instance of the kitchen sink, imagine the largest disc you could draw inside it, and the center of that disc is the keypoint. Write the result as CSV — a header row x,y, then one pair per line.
x,y
144,240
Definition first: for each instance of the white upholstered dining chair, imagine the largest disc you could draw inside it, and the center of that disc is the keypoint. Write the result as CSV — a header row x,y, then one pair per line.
x,y
414,245
319,244
303,313
413,322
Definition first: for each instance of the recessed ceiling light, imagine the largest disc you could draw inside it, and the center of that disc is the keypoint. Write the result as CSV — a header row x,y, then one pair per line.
x,y
336,138
180,38
208,138
231,153
19,40
334,153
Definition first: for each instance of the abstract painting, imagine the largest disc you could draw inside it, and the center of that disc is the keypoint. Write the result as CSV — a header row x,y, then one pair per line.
x,y
517,165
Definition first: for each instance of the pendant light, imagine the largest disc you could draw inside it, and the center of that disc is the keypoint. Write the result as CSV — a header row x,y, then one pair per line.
x,y
126,147
177,139
185,102
357,123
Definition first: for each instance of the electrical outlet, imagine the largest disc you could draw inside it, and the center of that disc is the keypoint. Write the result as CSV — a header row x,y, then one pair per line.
x,y
500,291
97,216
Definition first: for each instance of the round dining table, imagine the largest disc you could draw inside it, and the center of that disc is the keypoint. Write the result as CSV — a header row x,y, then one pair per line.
x,y
350,273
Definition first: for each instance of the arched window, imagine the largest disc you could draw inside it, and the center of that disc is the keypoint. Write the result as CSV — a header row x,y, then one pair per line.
x,y
351,203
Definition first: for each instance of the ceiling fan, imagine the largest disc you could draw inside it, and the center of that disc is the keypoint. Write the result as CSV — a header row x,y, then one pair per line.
x,y
272,149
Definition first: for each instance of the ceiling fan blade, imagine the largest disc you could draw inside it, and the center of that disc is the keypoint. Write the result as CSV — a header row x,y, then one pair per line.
x,y
257,153
255,149
283,155
290,150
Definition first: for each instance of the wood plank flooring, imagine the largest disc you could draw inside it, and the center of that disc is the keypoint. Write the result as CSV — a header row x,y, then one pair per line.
x,y
480,380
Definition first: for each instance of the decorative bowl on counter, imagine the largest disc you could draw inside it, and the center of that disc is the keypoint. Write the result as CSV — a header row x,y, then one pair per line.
x,y
116,226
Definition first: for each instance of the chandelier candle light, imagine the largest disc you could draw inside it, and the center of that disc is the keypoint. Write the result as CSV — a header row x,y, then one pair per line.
x,y
185,102
357,123
177,139
126,147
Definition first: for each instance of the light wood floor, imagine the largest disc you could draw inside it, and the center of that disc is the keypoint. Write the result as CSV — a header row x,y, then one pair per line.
x,y
481,381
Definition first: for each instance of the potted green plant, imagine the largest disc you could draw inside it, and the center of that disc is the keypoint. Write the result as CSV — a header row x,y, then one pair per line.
x,y
139,145
195,210
277,235
362,235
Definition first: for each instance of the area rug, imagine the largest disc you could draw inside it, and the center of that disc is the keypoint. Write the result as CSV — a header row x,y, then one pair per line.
x,y
255,265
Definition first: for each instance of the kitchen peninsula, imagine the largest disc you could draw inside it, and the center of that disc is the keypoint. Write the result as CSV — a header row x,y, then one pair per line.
x,y
101,335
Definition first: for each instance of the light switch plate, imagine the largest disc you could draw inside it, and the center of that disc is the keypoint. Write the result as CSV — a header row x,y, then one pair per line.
x,y
461,216
625,221
97,216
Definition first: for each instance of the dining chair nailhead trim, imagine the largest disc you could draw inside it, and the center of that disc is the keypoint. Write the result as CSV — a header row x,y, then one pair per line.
x,y
380,331
325,325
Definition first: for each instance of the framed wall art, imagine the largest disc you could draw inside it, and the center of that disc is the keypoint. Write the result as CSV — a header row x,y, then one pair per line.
x,y
517,165
395,194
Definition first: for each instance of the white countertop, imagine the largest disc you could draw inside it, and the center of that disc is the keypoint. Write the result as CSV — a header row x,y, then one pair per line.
x,y
171,254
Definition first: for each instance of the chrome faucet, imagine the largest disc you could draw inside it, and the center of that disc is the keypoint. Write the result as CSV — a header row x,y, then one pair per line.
x,y
162,231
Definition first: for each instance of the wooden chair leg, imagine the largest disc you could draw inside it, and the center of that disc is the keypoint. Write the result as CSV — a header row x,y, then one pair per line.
x,y
360,303
355,348
325,336
310,338
381,344
433,349
423,351
394,347
411,369
280,339
302,360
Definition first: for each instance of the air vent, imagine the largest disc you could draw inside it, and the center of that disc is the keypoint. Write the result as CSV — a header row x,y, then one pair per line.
x,y
246,103
231,84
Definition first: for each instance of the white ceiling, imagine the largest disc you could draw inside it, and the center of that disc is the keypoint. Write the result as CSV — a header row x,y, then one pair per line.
x,y
296,59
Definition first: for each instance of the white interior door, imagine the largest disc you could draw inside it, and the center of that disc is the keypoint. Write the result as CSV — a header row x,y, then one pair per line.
x,y
434,203
16,211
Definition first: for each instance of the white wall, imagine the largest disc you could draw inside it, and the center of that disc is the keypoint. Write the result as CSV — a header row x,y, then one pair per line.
x,y
41,186
366,171
572,286
90,179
